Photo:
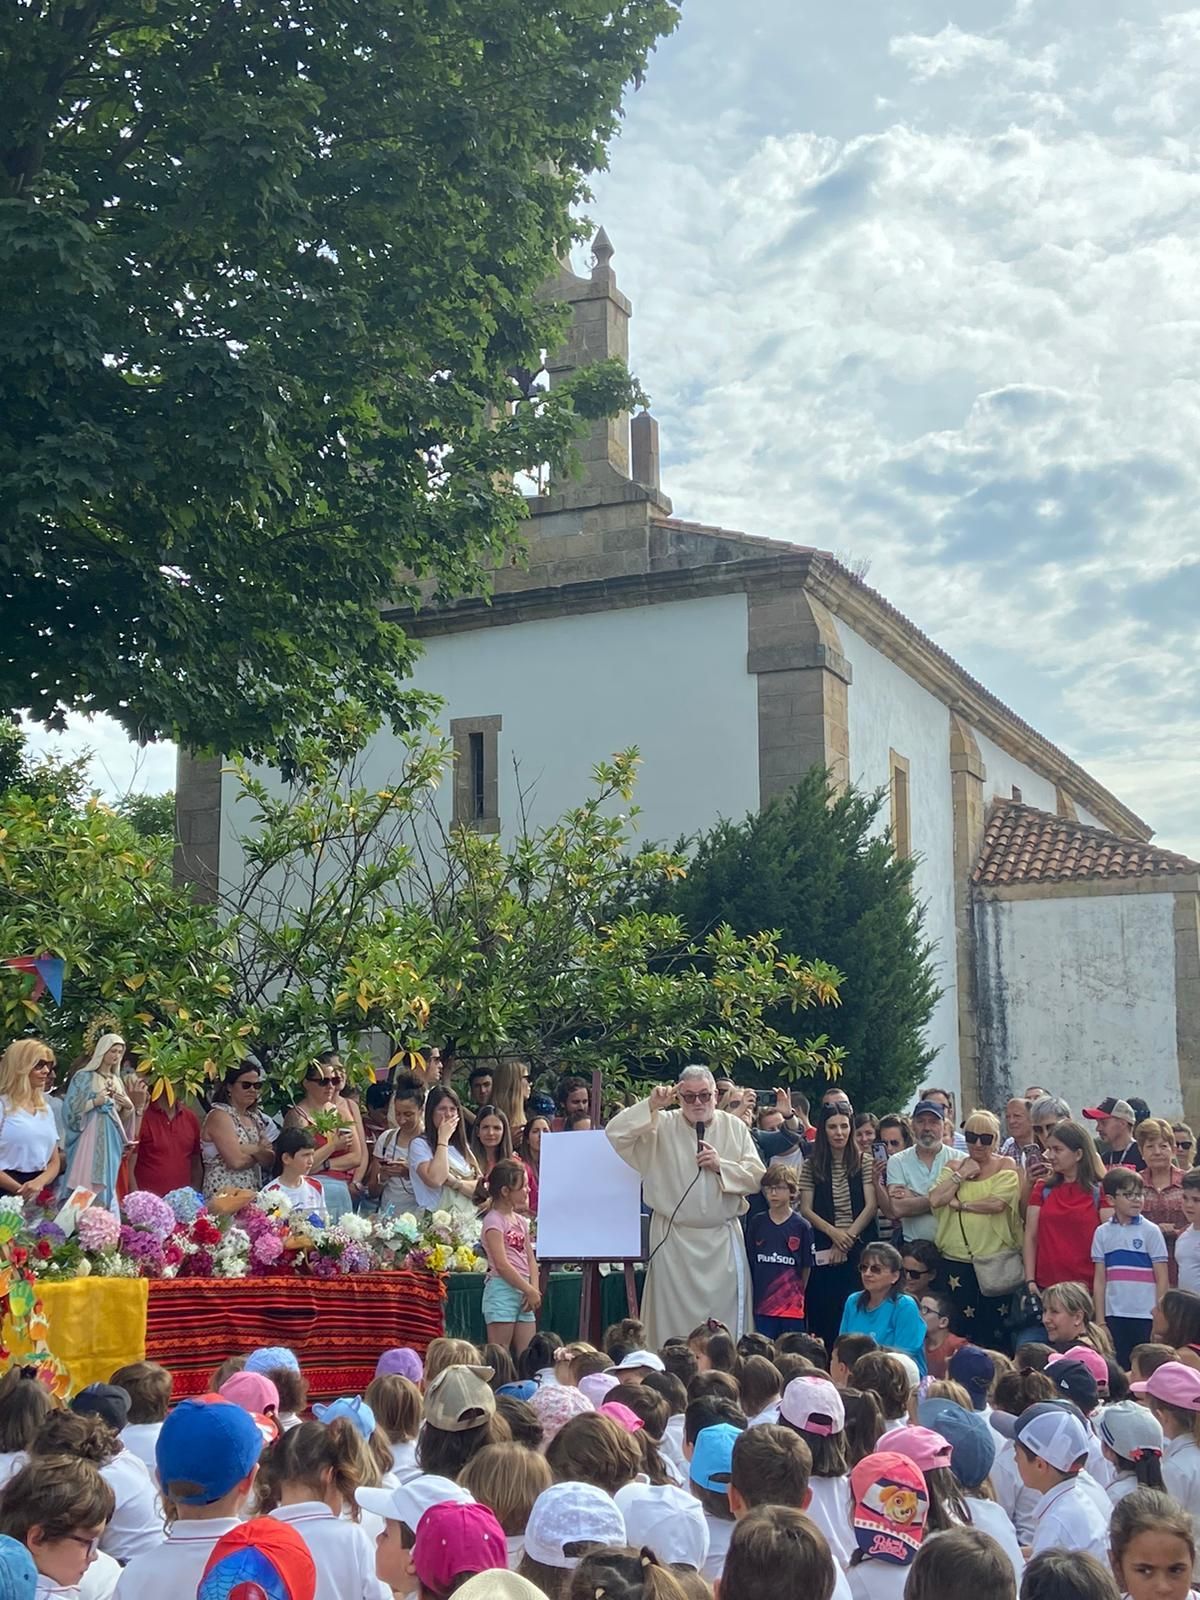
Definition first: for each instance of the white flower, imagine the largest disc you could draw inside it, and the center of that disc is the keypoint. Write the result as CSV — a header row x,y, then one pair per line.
x,y
441,1219
13,1203
355,1227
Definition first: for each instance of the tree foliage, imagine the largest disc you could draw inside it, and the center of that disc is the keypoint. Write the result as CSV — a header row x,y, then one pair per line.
x,y
265,270
358,917
815,866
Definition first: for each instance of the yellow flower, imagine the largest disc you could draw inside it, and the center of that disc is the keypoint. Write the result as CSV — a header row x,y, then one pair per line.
x,y
439,1258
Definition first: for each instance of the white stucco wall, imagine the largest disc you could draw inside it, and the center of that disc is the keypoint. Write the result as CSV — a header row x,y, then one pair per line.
x,y
1080,993
889,711
1005,771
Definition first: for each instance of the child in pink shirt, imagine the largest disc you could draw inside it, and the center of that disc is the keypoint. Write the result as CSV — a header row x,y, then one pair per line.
x,y
510,1296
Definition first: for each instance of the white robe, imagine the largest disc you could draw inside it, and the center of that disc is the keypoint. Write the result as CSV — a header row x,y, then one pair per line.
x,y
700,1270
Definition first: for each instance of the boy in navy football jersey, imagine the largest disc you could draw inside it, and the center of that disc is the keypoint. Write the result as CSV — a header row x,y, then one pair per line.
x,y
780,1245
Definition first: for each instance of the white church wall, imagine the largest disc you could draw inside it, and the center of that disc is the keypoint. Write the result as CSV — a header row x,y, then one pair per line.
x,y
889,711
573,690
1006,773
1079,993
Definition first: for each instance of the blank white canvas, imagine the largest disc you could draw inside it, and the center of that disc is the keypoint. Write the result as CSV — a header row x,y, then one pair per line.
x,y
589,1201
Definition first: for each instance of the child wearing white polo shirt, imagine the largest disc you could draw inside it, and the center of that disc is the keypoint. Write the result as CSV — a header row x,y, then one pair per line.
x,y
1051,1441
1130,1258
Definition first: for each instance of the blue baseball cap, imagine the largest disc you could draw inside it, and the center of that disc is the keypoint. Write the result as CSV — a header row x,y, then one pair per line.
x,y
18,1575
974,1369
353,1407
929,1108
972,1442
208,1443
711,1466
272,1358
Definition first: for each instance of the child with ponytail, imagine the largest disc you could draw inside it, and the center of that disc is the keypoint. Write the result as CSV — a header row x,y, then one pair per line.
x,y
308,1479
511,1296
1131,1439
1173,1395
623,1574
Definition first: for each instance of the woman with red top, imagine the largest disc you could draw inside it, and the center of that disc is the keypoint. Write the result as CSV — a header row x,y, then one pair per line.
x,y
1064,1211
1163,1202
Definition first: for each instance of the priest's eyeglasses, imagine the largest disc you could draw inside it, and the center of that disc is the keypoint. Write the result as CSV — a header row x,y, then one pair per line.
x,y
697,1097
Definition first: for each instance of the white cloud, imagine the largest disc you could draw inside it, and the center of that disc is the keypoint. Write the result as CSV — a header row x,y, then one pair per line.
x,y
117,765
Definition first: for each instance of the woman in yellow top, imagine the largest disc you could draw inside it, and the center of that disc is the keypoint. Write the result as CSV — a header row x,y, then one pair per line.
x,y
977,1204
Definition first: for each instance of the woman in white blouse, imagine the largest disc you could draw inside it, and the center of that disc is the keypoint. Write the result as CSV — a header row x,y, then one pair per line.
x,y
29,1154
444,1172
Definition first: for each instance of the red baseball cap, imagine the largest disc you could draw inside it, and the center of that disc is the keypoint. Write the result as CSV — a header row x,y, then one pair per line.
x,y
453,1540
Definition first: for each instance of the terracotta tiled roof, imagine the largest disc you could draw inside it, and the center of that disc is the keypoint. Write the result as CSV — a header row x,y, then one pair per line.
x,y
1024,845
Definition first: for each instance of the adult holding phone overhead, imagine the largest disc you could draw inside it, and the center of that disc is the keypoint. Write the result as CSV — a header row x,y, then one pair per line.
x,y
697,1166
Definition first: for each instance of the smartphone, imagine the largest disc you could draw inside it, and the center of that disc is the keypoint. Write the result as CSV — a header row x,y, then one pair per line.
x,y
881,1150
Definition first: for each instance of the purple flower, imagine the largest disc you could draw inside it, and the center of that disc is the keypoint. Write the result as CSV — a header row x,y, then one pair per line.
x,y
149,1212
323,1267
49,1230
355,1258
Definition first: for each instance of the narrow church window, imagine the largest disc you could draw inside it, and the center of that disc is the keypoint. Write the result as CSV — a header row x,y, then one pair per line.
x,y
477,780
901,817
476,742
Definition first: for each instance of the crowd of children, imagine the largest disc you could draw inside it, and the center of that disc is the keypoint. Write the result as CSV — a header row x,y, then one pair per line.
x,y
745,1469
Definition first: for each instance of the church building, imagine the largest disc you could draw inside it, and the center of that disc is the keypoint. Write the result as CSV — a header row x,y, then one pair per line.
x,y
1068,945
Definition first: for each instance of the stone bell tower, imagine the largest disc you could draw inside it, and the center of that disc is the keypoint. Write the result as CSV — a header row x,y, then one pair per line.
x,y
598,525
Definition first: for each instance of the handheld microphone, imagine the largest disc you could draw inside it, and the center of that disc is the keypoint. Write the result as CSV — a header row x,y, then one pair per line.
x,y
699,1134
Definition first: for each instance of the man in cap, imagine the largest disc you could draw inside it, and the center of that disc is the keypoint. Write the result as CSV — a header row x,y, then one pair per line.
x,y
912,1173
1117,1120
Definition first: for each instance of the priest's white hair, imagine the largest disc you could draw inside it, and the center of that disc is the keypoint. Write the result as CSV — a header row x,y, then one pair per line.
x,y
697,1074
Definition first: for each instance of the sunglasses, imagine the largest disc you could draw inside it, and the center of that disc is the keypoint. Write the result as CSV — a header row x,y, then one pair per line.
x,y
327,1083
981,1138
1044,1127
1183,1144
918,1272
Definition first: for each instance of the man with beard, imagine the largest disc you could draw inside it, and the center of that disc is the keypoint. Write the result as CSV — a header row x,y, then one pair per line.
x,y
912,1173
698,1165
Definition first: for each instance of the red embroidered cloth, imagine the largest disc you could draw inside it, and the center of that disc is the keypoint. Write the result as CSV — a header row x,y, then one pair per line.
x,y
336,1326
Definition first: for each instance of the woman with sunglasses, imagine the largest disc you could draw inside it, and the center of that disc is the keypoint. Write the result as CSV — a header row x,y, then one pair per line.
x,y
882,1308
1064,1211
235,1143
1185,1146
977,1204
923,1268
29,1156
326,1115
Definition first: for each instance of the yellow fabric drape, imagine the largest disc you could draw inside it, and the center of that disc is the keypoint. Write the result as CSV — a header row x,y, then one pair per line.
x,y
95,1326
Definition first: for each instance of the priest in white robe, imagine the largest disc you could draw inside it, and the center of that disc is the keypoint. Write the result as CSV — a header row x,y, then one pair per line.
x,y
696,1186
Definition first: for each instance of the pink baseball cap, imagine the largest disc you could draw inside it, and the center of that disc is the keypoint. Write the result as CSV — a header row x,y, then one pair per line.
x,y
1173,1384
813,1405
1092,1360
923,1447
596,1385
252,1391
453,1540
629,1420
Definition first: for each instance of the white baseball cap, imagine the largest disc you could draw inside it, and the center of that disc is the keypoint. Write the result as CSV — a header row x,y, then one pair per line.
x,y
571,1513
1057,1433
667,1520
409,1501
639,1358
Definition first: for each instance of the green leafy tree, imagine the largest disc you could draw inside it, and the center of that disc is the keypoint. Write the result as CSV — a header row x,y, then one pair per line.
x,y
357,914
266,271
151,816
815,866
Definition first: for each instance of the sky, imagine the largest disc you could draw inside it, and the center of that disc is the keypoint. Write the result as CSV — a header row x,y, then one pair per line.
x,y
919,284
